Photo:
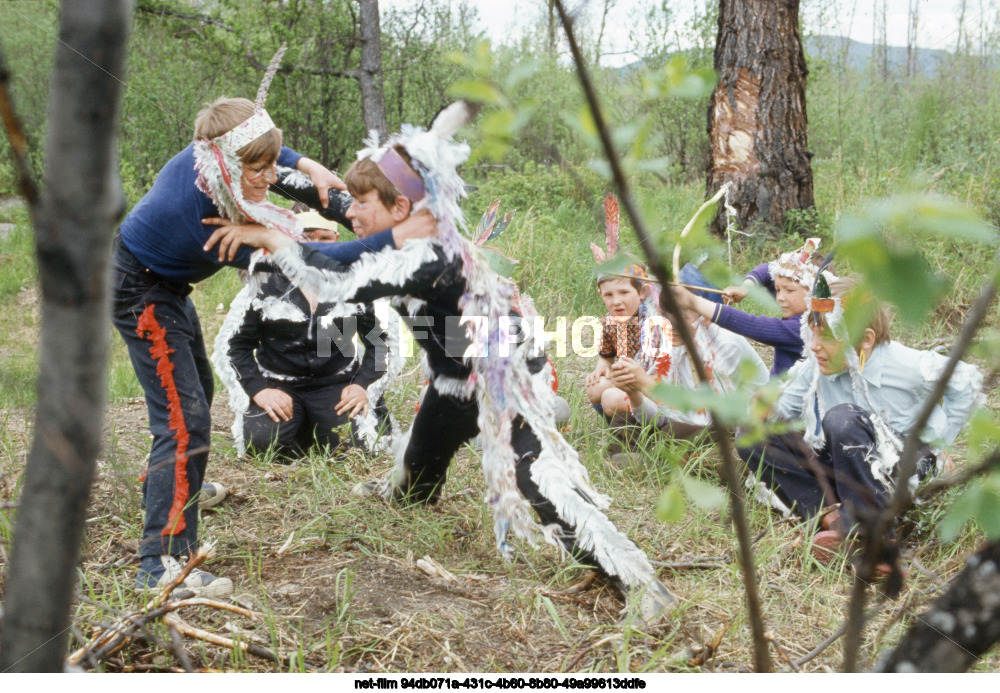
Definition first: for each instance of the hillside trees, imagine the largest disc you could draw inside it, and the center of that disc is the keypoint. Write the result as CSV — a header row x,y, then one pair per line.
x,y
185,54
757,115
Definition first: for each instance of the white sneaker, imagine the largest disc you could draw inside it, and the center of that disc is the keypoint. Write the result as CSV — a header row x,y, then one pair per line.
x,y
212,493
159,571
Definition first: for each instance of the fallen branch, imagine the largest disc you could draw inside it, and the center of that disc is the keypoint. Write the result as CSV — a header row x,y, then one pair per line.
x,y
773,639
175,621
697,563
110,639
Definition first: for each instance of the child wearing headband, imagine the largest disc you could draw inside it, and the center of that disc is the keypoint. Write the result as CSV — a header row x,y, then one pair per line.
x,y
158,255
858,396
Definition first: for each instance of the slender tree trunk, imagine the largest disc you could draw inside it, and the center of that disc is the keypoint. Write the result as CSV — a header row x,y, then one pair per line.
x,y
961,626
757,115
74,222
370,74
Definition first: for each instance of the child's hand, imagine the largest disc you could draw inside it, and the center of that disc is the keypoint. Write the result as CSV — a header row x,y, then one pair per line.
x,y
231,236
735,294
322,178
353,400
628,375
418,225
276,403
594,377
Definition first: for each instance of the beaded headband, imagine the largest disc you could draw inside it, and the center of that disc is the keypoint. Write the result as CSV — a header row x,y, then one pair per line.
x,y
797,265
246,132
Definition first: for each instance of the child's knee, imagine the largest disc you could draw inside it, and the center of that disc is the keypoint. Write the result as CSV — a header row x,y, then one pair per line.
x,y
613,401
596,391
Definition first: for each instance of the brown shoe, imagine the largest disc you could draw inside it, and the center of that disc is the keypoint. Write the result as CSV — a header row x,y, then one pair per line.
x,y
826,545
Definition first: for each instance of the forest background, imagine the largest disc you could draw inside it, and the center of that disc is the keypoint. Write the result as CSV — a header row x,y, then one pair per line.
x,y
889,123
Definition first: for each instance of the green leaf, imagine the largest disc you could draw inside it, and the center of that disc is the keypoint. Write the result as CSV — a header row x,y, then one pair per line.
x,y
498,262
658,165
586,123
981,503
601,166
476,90
983,430
703,494
670,507
730,409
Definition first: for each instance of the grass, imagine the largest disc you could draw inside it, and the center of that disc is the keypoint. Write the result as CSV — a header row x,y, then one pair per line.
x,y
335,578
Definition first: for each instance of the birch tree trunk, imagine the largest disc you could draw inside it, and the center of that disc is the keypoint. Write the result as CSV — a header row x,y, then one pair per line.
x,y
961,626
74,221
757,115
370,74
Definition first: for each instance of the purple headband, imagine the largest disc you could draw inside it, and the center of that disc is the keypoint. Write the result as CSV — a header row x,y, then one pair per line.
x,y
401,175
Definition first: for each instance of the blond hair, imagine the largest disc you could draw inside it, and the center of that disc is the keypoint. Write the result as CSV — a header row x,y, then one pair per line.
x,y
222,115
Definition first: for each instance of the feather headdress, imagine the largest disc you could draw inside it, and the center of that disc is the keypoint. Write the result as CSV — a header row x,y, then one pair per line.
x,y
220,169
798,265
651,327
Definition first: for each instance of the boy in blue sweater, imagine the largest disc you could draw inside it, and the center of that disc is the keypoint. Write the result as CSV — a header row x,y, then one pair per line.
x,y
157,256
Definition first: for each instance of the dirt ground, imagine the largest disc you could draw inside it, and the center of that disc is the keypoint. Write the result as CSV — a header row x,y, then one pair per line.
x,y
335,598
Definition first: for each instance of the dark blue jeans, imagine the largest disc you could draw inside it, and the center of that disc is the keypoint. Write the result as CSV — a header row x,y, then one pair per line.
x,y
158,322
839,473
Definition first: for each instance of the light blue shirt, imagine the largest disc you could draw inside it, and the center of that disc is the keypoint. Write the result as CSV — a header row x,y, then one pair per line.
x,y
899,381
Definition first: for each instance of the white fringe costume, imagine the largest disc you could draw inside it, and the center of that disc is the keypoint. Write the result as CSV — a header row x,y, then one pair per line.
x,y
504,386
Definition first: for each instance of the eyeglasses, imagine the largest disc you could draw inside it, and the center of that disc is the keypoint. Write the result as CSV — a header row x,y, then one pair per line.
x,y
255,174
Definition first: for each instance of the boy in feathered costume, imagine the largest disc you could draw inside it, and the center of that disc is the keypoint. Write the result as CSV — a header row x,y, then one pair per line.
x,y
485,376
293,372
857,396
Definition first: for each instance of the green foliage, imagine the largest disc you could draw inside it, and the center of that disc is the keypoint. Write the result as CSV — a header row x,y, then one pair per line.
x,y
980,502
882,242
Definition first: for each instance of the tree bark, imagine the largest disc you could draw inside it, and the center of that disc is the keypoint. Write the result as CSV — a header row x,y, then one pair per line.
x,y
74,221
370,74
757,115
961,625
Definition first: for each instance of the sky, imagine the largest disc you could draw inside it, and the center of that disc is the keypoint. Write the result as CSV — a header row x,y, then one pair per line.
x,y
938,25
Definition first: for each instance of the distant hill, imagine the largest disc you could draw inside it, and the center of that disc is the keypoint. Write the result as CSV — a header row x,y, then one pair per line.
x,y
859,55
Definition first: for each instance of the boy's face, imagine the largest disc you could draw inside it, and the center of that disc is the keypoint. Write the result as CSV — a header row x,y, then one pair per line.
x,y
368,215
620,297
257,178
831,354
791,297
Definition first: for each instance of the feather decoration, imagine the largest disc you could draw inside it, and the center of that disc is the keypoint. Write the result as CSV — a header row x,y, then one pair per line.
x,y
265,84
611,223
452,118
484,229
599,255
502,225
501,381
